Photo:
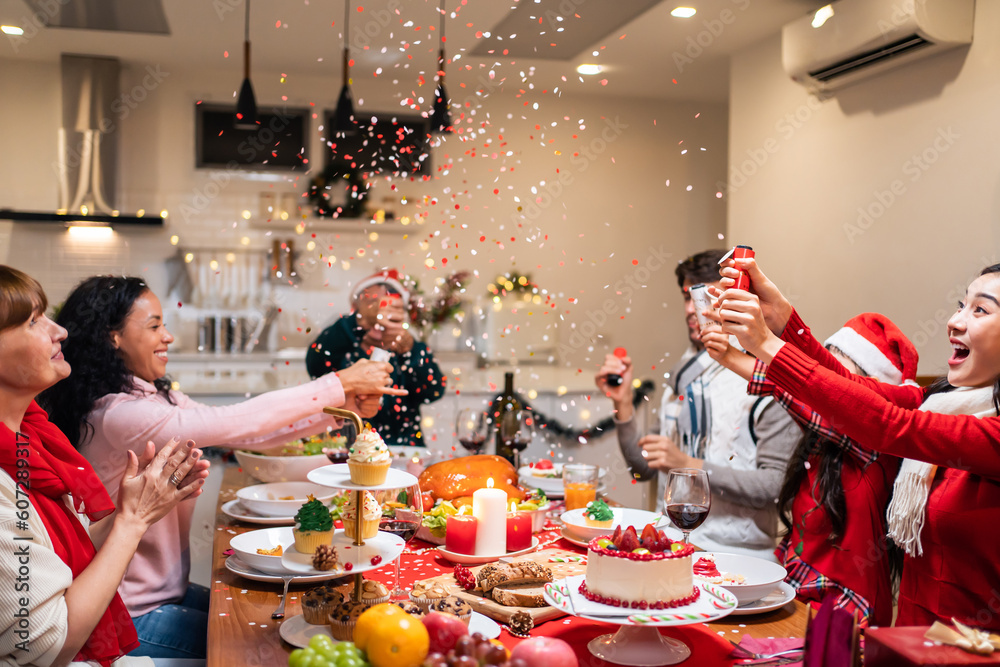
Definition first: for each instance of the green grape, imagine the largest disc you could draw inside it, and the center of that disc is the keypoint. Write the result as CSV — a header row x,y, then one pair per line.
x,y
351,661
320,641
305,657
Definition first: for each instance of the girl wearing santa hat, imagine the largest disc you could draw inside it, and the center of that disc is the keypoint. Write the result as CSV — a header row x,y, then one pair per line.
x,y
835,491
946,499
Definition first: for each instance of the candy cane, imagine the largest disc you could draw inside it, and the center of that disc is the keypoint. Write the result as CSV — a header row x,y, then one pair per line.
x,y
643,619
568,559
726,603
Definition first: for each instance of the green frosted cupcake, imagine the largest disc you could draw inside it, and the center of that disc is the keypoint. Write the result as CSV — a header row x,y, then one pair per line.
x,y
598,514
313,526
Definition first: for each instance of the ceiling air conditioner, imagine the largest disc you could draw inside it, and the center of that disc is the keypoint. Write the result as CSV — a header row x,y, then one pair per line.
x,y
849,40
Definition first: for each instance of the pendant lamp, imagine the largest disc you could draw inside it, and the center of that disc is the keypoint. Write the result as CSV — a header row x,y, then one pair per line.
x,y
246,105
343,120
441,114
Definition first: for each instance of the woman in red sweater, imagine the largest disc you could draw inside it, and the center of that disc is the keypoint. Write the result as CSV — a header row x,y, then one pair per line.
x,y
835,492
947,495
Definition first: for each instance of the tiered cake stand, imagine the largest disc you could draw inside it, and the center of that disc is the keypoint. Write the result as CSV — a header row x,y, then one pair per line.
x,y
358,552
638,642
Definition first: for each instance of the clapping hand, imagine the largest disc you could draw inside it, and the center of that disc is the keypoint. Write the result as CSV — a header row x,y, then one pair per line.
x,y
155,482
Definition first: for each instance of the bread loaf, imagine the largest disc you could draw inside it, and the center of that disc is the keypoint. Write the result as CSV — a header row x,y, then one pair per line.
x,y
519,595
507,574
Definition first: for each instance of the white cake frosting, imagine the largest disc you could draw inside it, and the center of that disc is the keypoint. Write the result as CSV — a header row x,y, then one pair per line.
x,y
657,580
369,448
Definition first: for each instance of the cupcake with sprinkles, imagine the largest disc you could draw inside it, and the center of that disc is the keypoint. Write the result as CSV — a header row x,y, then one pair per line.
x,y
369,459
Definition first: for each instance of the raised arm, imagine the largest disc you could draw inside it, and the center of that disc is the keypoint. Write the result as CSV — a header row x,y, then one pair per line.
x,y
892,426
259,423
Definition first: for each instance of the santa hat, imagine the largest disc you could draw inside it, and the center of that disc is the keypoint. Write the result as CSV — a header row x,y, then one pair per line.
x,y
388,277
878,347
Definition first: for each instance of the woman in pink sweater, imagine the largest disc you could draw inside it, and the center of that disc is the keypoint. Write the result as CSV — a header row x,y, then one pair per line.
x,y
118,399
58,601
947,495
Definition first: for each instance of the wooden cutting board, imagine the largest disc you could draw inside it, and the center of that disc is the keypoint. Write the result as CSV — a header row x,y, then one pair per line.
x,y
500,613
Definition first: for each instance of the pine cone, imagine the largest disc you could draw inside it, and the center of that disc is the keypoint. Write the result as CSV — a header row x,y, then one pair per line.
x,y
325,557
521,623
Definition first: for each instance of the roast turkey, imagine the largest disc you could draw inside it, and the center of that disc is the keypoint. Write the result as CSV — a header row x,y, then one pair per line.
x,y
457,479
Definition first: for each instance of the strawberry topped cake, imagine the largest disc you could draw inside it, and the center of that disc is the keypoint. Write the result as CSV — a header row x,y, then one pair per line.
x,y
647,572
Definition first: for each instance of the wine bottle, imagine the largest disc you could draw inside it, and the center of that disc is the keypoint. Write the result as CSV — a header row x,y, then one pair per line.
x,y
506,419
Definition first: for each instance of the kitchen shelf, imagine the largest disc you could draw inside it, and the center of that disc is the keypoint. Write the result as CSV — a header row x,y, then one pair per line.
x,y
338,225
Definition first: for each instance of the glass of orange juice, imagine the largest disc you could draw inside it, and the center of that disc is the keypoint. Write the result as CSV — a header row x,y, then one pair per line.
x,y
579,484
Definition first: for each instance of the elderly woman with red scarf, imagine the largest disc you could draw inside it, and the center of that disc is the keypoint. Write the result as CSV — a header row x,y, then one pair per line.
x,y
58,594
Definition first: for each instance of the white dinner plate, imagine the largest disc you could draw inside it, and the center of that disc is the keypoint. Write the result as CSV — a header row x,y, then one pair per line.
x,y
573,539
385,545
297,632
713,603
338,475
235,510
761,576
468,559
237,566
776,599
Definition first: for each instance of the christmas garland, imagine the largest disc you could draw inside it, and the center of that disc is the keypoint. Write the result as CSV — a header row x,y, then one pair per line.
x,y
558,428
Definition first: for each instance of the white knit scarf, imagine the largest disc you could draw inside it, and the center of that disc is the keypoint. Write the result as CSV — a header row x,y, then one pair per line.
x,y
908,509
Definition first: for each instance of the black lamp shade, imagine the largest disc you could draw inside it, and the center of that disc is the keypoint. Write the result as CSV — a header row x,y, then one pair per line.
x,y
343,121
441,114
246,108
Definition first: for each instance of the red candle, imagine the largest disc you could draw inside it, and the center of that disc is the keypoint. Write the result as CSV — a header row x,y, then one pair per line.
x,y
518,530
460,534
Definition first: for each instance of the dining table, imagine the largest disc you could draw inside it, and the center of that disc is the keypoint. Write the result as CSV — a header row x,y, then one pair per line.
x,y
242,632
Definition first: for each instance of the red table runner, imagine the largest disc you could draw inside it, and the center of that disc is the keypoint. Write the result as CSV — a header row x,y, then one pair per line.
x,y
708,649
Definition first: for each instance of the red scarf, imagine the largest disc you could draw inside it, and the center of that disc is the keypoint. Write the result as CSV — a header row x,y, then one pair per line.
x,y
54,469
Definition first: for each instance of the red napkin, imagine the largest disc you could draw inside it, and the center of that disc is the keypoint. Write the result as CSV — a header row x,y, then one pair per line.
x,y
766,646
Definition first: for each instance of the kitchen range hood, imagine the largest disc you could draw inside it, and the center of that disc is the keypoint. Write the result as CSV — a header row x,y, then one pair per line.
x,y
86,170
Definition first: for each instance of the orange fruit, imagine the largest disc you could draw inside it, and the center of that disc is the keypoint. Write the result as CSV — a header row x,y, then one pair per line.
x,y
372,618
398,641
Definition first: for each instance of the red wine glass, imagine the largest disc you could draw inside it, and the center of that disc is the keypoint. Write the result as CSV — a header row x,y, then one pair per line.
x,y
402,514
688,499
472,428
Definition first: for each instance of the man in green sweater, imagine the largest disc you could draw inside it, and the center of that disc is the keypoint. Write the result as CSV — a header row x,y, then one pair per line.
x,y
376,321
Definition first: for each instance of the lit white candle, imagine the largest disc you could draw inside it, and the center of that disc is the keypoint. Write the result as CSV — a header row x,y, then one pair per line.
x,y
489,506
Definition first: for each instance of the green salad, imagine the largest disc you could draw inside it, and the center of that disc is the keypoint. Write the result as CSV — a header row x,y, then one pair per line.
x,y
536,499
337,506
436,520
